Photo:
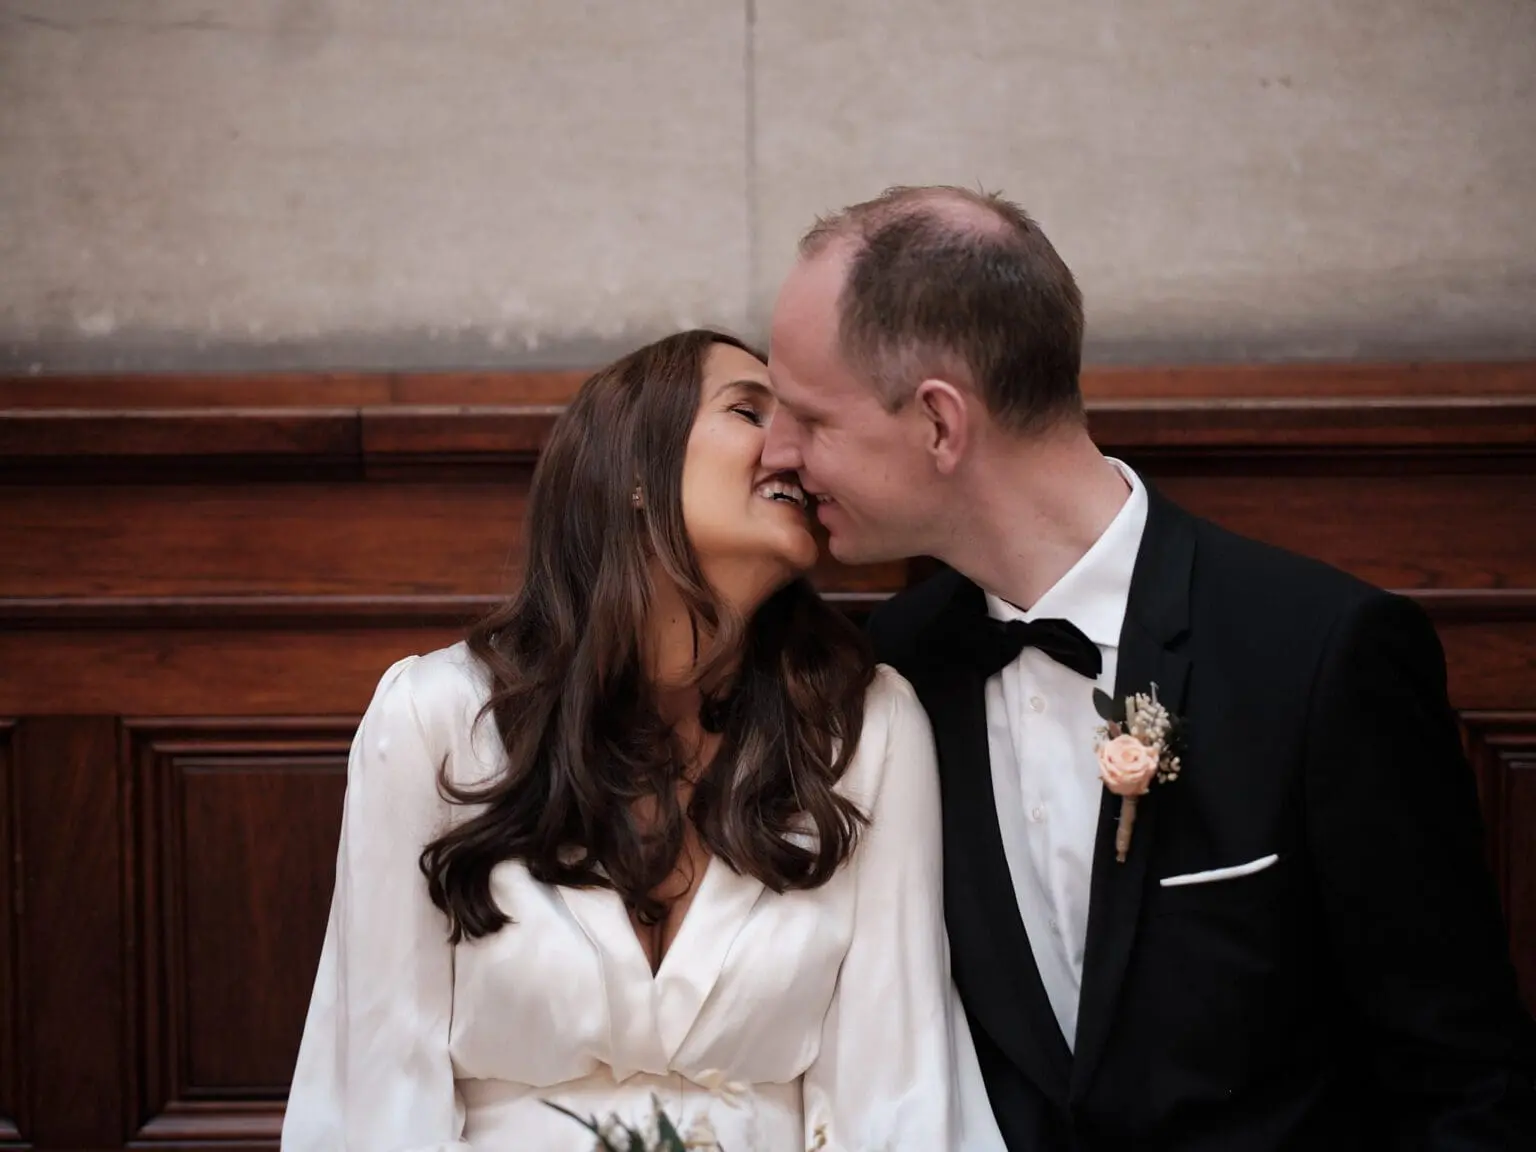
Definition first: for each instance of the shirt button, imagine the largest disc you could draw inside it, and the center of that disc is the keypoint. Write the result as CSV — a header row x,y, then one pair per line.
x,y
1054,925
1037,704
1037,813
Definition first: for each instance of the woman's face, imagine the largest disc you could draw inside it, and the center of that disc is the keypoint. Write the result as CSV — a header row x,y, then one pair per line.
x,y
748,526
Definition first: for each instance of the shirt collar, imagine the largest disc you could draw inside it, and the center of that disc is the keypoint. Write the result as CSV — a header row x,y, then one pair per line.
x,y
1094,591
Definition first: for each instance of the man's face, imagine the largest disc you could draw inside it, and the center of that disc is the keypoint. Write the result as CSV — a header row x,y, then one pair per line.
x,y
867,467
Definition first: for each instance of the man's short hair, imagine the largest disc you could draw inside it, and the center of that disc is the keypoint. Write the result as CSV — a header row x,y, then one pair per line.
x,y
946,282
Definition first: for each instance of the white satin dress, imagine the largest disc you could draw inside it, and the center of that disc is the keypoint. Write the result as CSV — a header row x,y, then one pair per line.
x,y
782,1019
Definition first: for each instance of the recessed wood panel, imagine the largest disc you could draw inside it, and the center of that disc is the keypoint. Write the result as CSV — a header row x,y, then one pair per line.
x,y
238,824
1502,749
11,996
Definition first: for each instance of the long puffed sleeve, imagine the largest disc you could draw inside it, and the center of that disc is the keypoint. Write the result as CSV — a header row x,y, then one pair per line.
x,y
374,1073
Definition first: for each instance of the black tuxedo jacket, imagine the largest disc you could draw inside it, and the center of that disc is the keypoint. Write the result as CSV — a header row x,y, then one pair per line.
x,y
1357,993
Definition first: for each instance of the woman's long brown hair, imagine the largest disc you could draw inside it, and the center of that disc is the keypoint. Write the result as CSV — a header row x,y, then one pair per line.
x,y
586,748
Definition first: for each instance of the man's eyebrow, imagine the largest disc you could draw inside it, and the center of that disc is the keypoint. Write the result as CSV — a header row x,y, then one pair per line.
x,y
799,410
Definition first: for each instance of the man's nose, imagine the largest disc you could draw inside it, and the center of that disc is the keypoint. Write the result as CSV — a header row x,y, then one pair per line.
x,y
781,451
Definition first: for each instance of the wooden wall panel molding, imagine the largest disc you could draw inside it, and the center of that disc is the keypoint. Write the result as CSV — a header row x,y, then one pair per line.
x,y
12,999
1325,380
354,427
1502,749
215,541
198,672
261,613
306,390
46,444
235,823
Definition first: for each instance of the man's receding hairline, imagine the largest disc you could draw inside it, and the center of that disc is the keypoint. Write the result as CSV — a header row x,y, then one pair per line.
x,y
966,213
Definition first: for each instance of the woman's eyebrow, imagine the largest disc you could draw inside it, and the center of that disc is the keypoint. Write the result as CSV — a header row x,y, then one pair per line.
x,y
755,388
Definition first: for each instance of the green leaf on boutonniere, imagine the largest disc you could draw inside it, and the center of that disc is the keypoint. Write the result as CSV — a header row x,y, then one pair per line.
x,y
1110,710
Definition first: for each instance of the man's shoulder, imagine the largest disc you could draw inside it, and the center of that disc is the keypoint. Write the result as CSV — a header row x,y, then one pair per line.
x,y
1230,567
1231,575
898,627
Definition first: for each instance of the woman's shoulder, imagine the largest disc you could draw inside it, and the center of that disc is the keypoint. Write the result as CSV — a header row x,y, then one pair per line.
x,y
437,686
441,695
896,737
891,699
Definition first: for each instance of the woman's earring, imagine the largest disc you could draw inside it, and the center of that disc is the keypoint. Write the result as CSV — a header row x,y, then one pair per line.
x,y
635,497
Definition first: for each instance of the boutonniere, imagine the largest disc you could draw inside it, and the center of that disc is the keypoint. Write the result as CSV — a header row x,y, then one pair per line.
x,y
1138,743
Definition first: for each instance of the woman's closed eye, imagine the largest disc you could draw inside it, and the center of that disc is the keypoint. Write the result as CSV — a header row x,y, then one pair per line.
x,y
748,412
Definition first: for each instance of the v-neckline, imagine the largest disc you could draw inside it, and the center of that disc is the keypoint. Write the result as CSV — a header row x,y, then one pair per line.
x,y
695,895
659,1007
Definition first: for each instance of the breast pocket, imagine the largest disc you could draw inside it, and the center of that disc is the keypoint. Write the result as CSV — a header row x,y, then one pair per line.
x,y
1219,965
1252,887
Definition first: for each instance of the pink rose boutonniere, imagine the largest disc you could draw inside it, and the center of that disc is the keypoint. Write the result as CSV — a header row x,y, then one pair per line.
x,y
1138,744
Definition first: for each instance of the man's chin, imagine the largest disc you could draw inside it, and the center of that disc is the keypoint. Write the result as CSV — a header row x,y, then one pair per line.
x,y
860,552
848,551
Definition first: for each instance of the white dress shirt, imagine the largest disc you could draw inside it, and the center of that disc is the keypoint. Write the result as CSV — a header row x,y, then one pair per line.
x,y
776,1016
1045,774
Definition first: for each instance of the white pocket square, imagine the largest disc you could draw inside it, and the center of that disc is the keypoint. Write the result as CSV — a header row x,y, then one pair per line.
x,y
1216,874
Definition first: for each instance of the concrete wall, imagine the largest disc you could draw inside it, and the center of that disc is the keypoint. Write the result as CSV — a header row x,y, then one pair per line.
x,y
379,183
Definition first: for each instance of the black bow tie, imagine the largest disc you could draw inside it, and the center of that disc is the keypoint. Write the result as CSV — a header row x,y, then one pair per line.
x,y
997,644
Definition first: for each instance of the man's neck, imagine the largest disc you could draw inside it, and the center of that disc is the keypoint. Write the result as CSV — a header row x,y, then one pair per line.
x,y
1034,509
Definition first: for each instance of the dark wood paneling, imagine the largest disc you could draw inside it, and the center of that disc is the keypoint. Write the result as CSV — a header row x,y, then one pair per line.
x,y
354,426
237,827
1394,527
1228,383
11,995
179,584
202,673
74,945
254,540
301,433
303,389
333,667
1208,382
331,539
55,445
1502,749
1491,665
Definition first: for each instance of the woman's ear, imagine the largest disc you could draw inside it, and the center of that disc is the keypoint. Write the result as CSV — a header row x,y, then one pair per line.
x,y
946,422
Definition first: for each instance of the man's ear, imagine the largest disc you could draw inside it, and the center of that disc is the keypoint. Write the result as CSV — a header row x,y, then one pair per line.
x,y
945,420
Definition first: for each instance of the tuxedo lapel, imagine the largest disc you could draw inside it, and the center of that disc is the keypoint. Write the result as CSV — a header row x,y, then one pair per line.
x,y
1157,615
994,964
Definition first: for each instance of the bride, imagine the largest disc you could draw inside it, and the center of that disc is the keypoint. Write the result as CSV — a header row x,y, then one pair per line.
x,y
659,830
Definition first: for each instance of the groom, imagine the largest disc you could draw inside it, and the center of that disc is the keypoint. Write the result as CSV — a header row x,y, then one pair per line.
x,y
1302,948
